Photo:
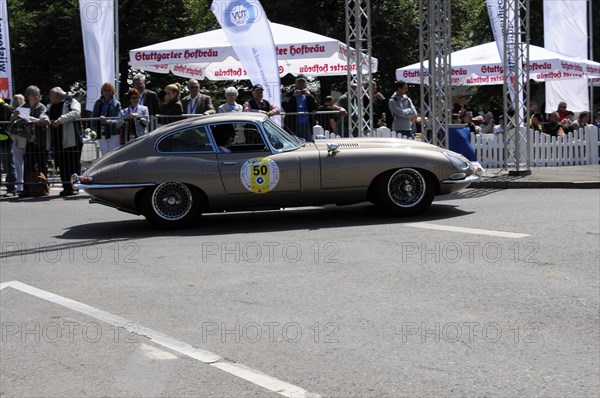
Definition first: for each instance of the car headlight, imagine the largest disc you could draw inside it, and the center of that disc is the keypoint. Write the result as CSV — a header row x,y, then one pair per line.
x,y
457,162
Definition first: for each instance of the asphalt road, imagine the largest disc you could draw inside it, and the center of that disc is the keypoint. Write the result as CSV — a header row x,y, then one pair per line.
x,y
490,293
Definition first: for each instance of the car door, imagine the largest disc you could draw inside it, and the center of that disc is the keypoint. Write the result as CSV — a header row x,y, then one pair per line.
x,y
249,165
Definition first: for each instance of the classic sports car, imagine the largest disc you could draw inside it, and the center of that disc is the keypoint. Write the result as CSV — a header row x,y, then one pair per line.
x,y
245,161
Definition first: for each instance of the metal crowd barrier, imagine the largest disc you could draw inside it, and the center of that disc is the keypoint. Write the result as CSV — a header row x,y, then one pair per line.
x,y
331,122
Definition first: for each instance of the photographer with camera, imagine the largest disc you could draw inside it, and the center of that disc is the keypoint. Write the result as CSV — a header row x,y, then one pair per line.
x,y
303,105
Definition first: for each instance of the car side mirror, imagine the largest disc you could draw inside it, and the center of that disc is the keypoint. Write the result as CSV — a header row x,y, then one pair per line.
x,y
332,148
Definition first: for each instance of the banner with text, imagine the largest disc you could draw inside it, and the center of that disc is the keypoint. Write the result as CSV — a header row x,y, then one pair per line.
x,y
247,28
98,32
565,31
498,17
6,84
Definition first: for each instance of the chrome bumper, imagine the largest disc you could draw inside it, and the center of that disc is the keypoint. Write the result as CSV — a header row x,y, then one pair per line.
x,y
468,180
476,176
78,184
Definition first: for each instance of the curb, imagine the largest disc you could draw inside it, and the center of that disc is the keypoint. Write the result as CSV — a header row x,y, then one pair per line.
x,y
536,184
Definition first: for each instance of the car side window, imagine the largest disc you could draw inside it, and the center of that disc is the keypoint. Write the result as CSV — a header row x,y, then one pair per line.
x,y
238,137
191,140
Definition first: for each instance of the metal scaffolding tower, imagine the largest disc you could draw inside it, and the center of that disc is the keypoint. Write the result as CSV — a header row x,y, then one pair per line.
x,y
516,87
436,88
358,36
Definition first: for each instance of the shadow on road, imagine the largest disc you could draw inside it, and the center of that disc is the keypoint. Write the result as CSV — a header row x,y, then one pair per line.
x,y
312,218
309,218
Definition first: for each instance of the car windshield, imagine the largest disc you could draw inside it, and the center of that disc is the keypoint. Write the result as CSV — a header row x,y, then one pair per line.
x,y
279,139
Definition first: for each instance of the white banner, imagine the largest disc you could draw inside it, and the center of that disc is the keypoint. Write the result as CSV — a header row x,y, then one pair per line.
x,y
247,28
565,31
6,84
98,30
498,15
231,69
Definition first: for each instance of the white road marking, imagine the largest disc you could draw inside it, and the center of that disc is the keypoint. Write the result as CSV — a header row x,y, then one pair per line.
x,y
475,231
262,379
254,376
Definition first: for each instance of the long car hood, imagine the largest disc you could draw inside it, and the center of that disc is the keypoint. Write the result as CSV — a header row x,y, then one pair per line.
x,y
350,143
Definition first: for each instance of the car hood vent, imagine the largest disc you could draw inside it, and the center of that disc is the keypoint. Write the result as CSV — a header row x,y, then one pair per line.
x,y
348,145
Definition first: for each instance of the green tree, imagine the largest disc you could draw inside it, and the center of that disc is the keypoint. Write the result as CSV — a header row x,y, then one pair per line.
x,y
46,44
47,49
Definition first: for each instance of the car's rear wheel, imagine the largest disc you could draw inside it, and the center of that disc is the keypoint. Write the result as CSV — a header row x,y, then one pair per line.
x,y
171,205
405,192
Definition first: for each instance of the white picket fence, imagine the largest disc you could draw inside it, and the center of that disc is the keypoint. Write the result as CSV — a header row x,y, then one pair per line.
x,y
577,148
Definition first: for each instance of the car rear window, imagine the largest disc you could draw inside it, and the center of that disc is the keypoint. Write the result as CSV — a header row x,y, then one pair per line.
x,y
191,140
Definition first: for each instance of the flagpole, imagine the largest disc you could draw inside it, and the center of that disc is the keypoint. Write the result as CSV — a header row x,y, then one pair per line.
x,y
116,44
12,78
4,9
591,58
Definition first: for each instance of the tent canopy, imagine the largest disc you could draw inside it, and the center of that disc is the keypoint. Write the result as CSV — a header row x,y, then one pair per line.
x,y
481,65
210,55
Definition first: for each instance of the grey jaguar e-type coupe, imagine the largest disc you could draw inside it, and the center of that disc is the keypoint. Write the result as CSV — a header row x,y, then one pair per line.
x,y
245,161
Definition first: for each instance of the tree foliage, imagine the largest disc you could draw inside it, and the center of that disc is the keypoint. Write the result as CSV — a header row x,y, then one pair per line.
x,y
47,48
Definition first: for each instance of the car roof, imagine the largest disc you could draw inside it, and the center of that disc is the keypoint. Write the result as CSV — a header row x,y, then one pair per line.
x,y
219,117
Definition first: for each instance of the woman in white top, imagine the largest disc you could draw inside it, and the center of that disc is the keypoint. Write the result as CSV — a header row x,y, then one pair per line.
x,y
230,104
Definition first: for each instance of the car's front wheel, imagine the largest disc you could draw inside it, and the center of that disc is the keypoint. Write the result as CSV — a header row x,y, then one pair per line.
x,y
171,205
405,192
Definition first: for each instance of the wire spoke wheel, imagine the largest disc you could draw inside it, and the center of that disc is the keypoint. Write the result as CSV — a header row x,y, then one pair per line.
x,y
172,201
404,192
406,187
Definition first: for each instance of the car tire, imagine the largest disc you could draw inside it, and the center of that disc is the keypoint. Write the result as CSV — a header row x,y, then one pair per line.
x,y
405,192
171,205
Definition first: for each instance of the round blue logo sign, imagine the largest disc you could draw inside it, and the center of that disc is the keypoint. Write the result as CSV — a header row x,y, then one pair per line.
x,y
240,15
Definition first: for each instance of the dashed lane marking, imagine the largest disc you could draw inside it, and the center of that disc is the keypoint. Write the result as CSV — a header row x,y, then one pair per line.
x,y
474,231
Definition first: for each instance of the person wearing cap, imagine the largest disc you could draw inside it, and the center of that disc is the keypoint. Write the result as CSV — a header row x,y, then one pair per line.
x,y
258,104
302,105
230,104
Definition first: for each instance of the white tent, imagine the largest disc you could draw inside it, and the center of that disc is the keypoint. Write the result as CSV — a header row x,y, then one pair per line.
x,y
481,65
209,55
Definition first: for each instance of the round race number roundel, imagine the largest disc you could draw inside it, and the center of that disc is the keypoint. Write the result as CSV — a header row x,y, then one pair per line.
x,y
259,175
